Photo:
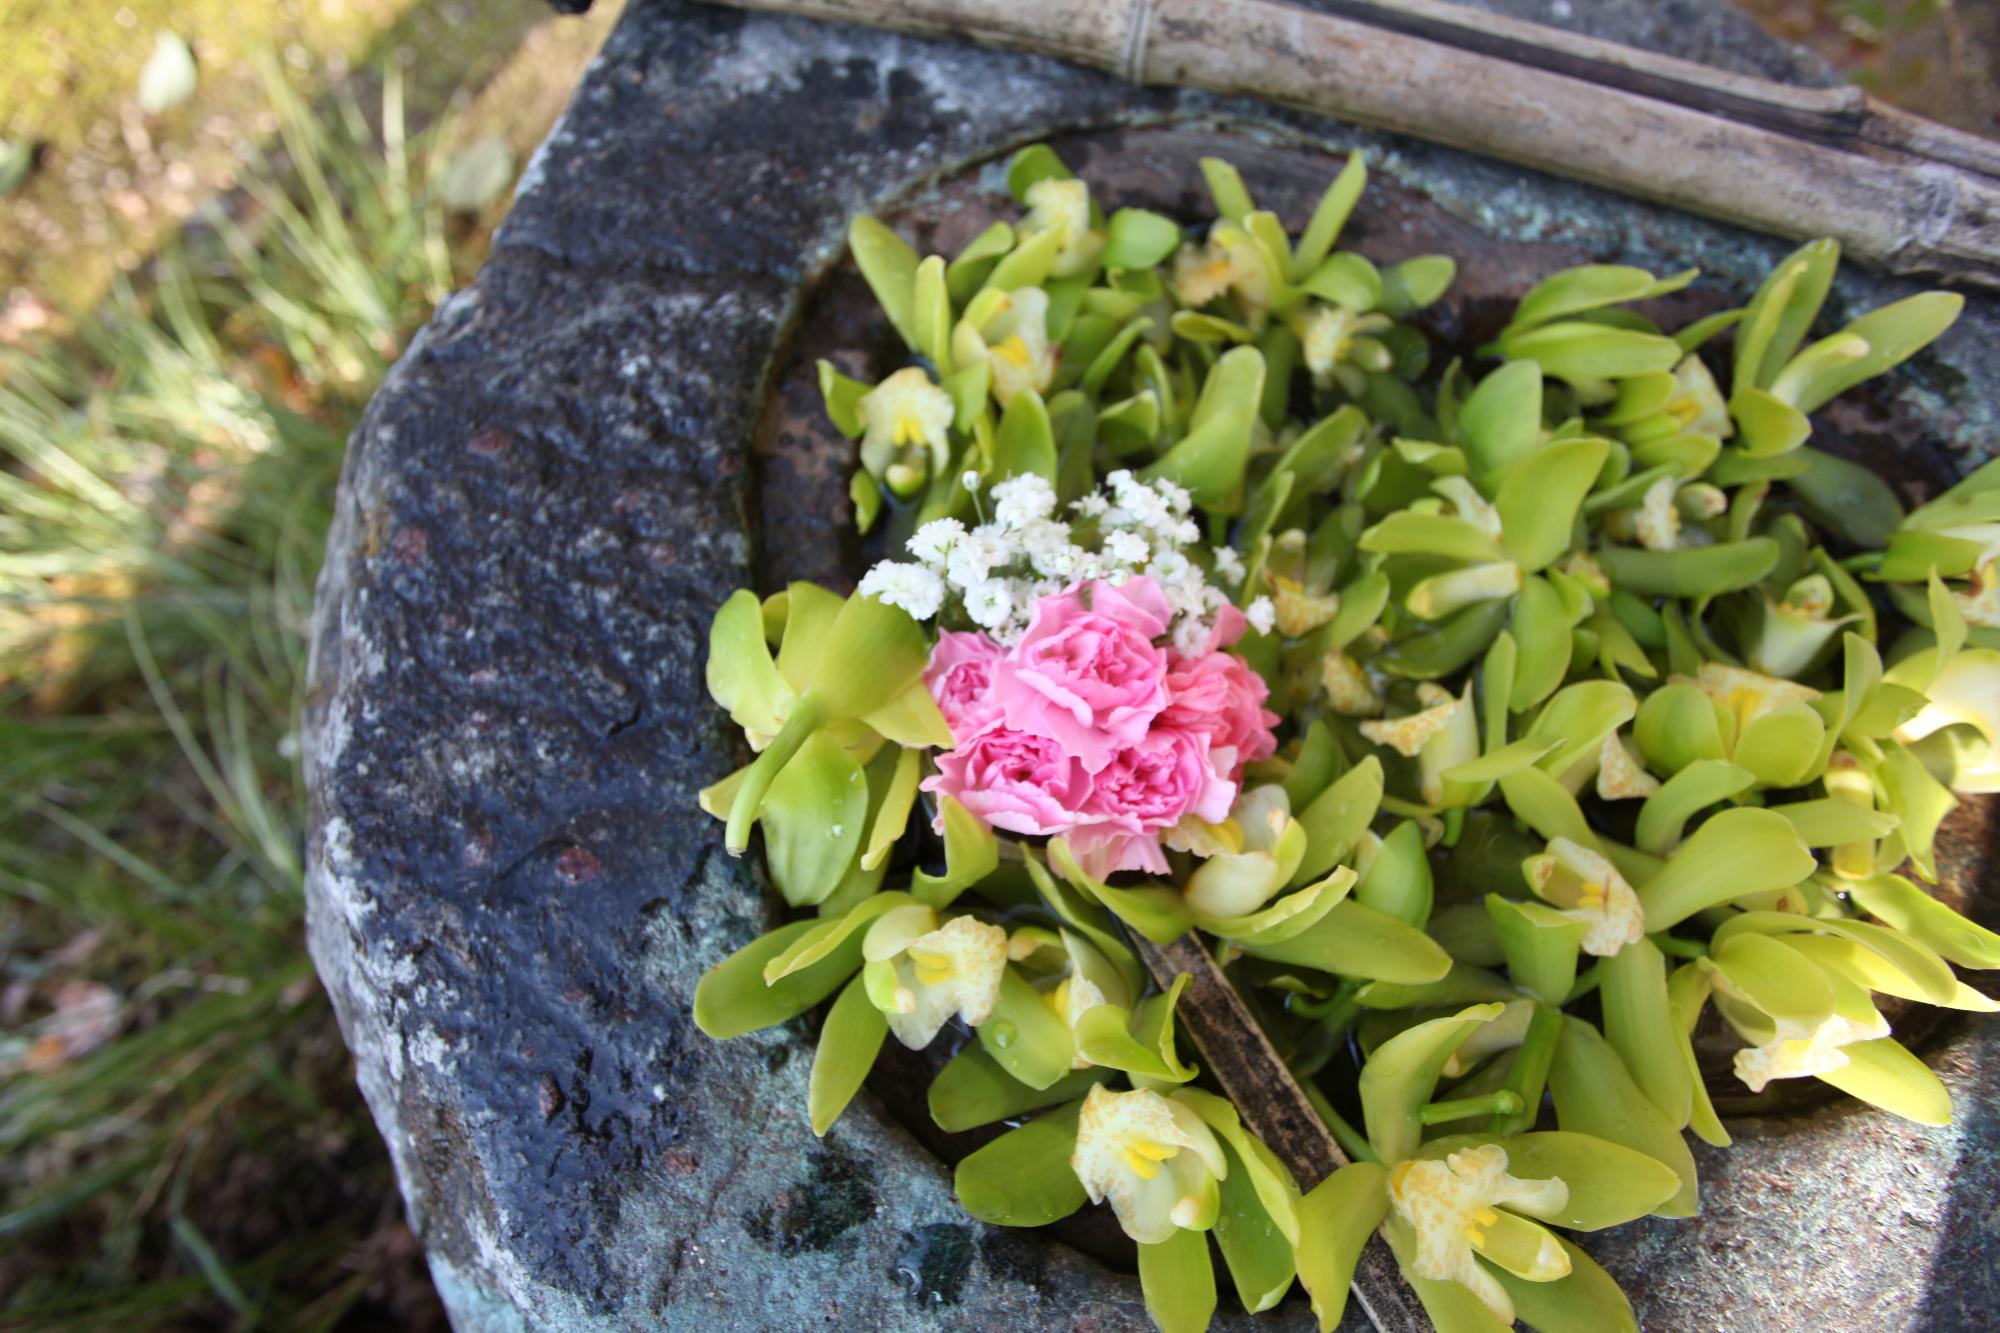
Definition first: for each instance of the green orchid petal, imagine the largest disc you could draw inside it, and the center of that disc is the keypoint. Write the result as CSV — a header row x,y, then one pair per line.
x,y
1409,531
1023,1178
1539,497
848,1044
890,268
1829,822
1901,904
1431,651
814,816
1259,1258
1416,283
1584,352
971,853
1782,311
1024,1036
1700,784
1401,1075
1336,1218
1732,855
1699,571
1889,337
1357,941
1591,287
1178,1279
843,396
971,1090
1337,818
1676,726
1209,460
1329,215
1759,970
1780,747
1225,186
1586,1300
1397,879
1919,800
1540,626
1159,913
1595,1095
742,677
1290,915
1638,1022
1501,420
1883,1073
1918,963
1579,717
1547,807
1270,1182
732,998
1541,946
967,273
1088,919
1345,279
1136,238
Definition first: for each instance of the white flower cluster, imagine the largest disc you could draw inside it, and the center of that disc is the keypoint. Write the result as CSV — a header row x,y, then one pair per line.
x,y
1000,569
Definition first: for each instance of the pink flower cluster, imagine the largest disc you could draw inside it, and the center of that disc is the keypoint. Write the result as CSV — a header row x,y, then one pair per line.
x,y
1090,727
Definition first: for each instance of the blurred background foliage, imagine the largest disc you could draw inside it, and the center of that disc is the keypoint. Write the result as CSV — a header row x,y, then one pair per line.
x,y
219,224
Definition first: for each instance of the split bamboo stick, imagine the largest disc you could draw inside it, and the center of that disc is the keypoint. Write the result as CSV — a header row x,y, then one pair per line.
x,y
1897,191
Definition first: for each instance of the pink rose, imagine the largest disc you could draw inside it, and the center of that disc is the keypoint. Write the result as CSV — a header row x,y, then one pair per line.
x,y
1087,673
1014,781
1146,788
1219,695
960,678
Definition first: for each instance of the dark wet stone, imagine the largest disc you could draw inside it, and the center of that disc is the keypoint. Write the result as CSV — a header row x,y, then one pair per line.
x,y
511,890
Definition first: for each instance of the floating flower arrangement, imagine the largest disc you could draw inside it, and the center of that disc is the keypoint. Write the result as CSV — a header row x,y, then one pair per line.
x,y
1494,725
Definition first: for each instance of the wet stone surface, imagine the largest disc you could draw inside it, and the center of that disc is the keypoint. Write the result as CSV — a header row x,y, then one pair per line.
x,y
511,891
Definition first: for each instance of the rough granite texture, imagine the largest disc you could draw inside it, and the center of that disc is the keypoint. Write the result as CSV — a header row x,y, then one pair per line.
x,y
511,891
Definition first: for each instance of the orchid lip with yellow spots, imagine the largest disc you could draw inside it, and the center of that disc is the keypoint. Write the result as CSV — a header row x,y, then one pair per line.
x,y
1795,1055
951,971
1152,1158
1454,1207
1584,886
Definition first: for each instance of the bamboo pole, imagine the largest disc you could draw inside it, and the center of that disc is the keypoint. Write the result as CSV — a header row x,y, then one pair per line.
x,y
1897,191
1274,1107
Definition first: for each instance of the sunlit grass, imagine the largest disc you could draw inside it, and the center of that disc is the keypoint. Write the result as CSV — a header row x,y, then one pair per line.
x,y
165,490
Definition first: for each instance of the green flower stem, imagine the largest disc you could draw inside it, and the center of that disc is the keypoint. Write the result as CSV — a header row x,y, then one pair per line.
x,y
1350,1139
1320,1010
1585,984
1505,1102
1530,1072
805,720
1679,948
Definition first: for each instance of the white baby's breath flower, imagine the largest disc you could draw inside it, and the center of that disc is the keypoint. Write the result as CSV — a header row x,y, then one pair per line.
x,y
1262,615
930,542
970,480
1093,505
1228,564
972,558
1169,567
1183,532
1127,548
1019,501
899,583
989,603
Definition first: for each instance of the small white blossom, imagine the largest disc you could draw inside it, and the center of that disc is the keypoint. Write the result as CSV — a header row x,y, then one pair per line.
x,y
1169,567
899,583
1093,505
989,603
1127,548
934,538
970,480
1228,564
1262,615
1019,501
971,561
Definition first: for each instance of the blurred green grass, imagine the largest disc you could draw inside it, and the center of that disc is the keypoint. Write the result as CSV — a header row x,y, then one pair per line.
x,y
181,1142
